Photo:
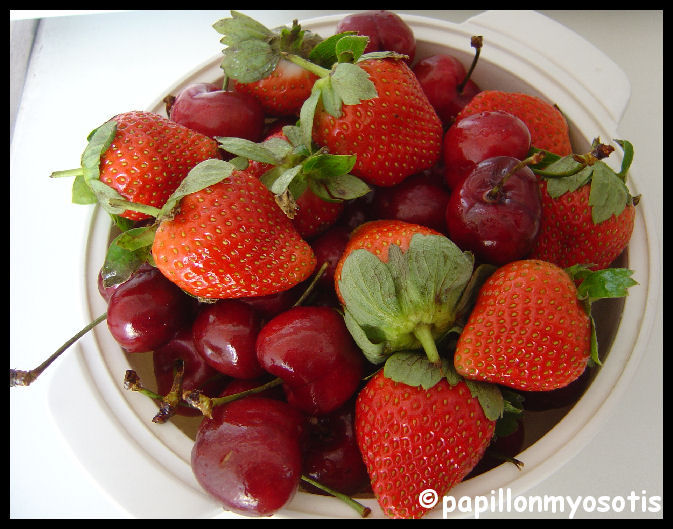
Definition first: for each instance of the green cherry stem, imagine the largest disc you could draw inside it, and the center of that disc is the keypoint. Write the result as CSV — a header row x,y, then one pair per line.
x,y
362,510
26,378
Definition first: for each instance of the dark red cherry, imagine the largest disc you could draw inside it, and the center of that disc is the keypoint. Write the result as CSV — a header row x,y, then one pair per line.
x,y
311,350
197,373
328,248
495,213
225,334
331,453
357,211
206,108
484,135
146,311
417,200
386,31
248,455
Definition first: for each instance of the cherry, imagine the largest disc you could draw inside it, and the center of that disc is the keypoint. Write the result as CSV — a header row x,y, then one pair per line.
x,y
248,455
328,248
502,449
312,351
207,109
197,373
417,199
495,212
484,135
273,304
386,31
146,311
447,84
331,454
357,211
225,334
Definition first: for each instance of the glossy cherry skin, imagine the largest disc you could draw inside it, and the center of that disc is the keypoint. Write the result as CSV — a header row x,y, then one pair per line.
x,y
386,31
197,373
225,334
440,76
328,248
497,229
311,350
146,311
206,108
248,455
331,453
484,135
417,200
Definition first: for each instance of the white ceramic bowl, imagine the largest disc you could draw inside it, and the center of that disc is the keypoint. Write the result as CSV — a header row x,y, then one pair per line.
x,y
591,91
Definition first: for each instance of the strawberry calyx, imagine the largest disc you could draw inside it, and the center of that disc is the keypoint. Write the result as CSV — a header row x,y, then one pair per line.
x,y
565,174
599,284
296,165
408,302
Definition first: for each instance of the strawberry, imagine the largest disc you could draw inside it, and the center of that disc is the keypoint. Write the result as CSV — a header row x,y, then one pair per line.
x,y
414,438
139,156
254,64
531,328
547,125
588,214
394,135
401,286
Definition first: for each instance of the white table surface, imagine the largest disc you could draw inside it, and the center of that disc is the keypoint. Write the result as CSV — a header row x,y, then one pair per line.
x,y
85,68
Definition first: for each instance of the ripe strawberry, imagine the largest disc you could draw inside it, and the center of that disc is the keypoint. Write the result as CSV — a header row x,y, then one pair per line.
x,y
283,92
231,240
140,155
400,285
412,439
588,214
394,135
531,328
253,62
548,128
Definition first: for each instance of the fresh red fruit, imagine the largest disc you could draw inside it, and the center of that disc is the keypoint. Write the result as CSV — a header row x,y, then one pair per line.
x,y
394,135
547,125
531,328
328,248
415,200
231,240
311,350
141,155
146,311
331,454
224,334
386,32
248,456
413,439
478,137
211,111
447,83
283,92
495,212
273,304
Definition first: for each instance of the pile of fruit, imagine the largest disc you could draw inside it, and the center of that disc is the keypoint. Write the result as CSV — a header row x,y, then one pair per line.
x,y
357,268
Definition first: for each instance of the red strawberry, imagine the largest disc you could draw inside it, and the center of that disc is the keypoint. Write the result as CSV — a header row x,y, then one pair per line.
x,y
400,285
283,92
548,127
254,64
531,328
393,135
588,214
413,439
142,156
231,240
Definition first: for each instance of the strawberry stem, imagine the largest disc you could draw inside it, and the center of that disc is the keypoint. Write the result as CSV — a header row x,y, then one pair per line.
x,y
135,206
67,173
423,334
307,65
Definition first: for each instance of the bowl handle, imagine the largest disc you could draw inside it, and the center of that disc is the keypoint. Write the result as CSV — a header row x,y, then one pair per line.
x,y
578,58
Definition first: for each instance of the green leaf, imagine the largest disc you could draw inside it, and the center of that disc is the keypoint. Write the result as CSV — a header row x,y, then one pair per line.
x,y
105,195
250,60
489,397
258,152
331,101
606,283
565,166
627,147
81,192
324,53
326,166
373,351
350,48
120,262
609,195
352,84
558,186
281,183
136,238
414,369
239,28
99,141
347,187
307,114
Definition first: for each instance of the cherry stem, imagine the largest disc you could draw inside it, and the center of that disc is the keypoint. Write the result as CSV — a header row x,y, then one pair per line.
x,y
26,378
362,510
476,42
493,194
311,286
